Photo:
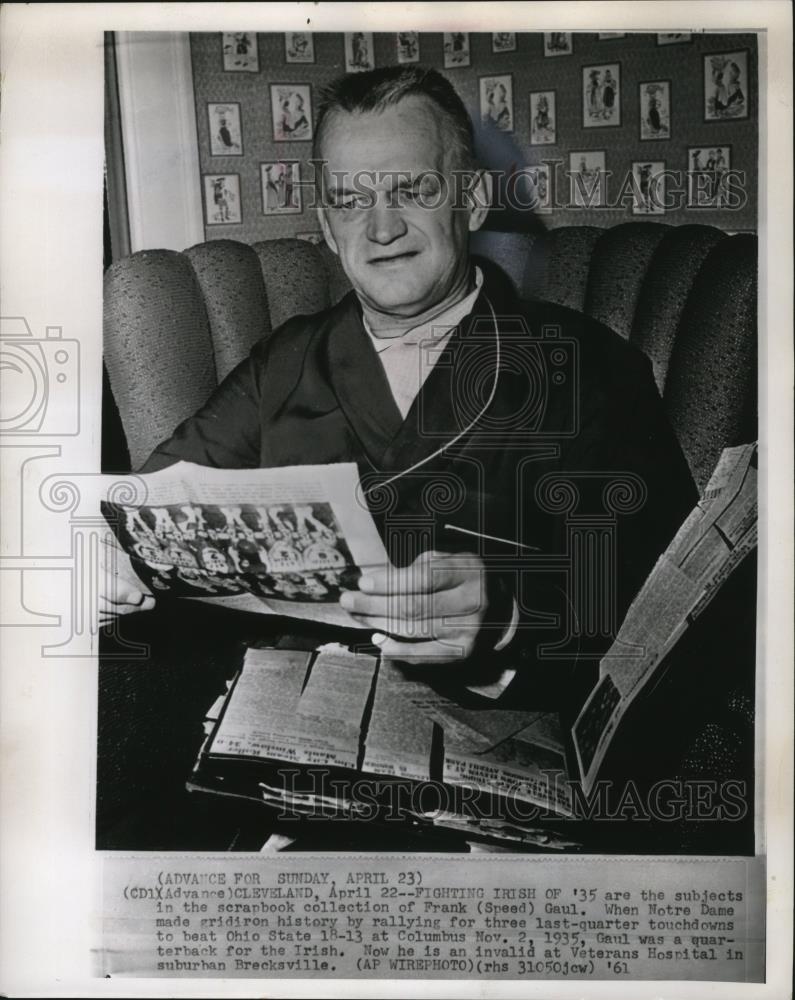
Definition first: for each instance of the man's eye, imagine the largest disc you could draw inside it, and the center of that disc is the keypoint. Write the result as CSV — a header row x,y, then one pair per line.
x,y
352,202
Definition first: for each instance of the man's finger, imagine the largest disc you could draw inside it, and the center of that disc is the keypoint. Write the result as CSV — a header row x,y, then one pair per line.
x,y
434,651
431,571
405,630
414,606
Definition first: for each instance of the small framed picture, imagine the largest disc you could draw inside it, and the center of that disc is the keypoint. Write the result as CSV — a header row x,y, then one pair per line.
x,y
240,52
315,238
558,43
281,187
503,41
648,188
543,118
726,86
456,49
225,135
655,110
408,46
707,169
606,36
533,188
299,47
601,96
588,178
359,51
291,112
496,101
673,37
222,199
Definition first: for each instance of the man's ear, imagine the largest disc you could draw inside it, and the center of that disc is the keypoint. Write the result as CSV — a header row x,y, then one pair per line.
x,y
330,242
479,198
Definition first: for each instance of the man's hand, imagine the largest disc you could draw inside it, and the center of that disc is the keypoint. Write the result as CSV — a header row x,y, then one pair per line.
x,y
429,612
120,590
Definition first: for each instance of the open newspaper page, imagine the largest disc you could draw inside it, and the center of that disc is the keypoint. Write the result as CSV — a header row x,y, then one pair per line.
x,y
715,538
282,541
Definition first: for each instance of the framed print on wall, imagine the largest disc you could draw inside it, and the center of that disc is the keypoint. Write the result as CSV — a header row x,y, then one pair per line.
x,y
456,49
496,101
601,95
299,47
534,188
673,37
707,169
503,41
726,86
281,187
655,109
359,51
543,118
240,51
588,178
291,112
222,199
408,46
226,138
648,188
558,43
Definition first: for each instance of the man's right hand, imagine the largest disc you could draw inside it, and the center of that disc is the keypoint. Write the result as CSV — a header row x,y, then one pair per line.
x,y
121,591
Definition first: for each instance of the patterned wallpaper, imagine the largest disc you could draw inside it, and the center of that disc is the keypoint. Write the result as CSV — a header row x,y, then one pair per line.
x,y
639,57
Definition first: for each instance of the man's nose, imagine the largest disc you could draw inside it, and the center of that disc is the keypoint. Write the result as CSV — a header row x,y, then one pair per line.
x,y
385,222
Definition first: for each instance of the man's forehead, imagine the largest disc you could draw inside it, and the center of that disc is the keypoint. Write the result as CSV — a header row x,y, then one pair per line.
x,y
407,136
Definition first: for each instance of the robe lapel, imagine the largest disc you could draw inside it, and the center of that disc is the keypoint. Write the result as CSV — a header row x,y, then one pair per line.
x,y
440,410
360,384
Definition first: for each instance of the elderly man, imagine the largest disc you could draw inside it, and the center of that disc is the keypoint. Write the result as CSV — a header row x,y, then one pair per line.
x,y
469,413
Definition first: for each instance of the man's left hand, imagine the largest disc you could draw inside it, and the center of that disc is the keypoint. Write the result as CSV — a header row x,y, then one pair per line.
x,y
428,612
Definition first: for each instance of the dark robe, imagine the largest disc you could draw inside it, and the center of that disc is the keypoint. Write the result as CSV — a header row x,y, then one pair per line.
x,y
573,458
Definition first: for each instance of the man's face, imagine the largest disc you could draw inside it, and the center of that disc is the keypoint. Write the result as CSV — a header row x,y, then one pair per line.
x,y
389,216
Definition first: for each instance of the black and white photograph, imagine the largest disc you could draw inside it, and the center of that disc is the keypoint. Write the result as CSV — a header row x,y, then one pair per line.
x,y
708,176
281,188
408,46
649,188
655,110
543,118
397,501
496,102
456,49
601,96
359,55
226,137
726,86
558,43
222,199
240,51
299,47
291,112
587,177
503,41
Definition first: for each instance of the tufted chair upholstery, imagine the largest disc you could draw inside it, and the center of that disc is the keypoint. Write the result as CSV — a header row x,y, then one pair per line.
x,y
177,323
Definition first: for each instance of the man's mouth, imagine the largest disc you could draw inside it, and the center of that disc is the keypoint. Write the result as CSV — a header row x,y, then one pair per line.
x,y
395,258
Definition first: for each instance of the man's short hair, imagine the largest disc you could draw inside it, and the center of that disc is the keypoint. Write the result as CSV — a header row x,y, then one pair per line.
x,y
382,88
